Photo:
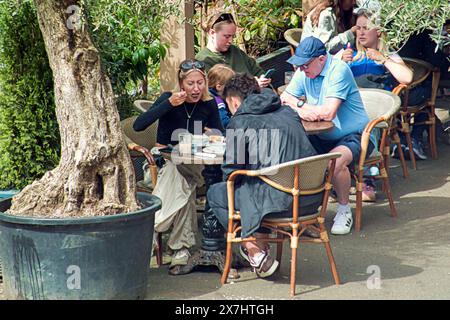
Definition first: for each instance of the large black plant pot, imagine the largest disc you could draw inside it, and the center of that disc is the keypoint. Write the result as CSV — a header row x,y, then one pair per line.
x,y
77,258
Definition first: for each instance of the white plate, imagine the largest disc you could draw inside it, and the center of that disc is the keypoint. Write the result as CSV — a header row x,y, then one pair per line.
x,y
216,149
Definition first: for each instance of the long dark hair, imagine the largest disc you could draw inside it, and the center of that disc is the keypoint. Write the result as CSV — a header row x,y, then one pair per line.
x,y
345,19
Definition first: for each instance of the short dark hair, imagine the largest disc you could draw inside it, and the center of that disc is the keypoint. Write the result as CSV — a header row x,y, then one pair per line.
x,y
241,85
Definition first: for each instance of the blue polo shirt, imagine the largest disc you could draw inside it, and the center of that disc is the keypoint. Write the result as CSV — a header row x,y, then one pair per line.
x,y
335,81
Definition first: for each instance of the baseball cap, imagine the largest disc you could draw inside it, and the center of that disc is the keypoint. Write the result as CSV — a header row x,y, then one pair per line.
x,y
308,49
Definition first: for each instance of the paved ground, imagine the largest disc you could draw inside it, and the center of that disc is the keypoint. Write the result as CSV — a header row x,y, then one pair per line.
x,y
411,253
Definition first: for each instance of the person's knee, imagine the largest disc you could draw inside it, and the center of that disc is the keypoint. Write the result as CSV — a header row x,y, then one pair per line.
x,y
217,196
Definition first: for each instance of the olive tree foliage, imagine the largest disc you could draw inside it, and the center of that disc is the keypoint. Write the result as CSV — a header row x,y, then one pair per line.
x,y
95,175
127,34
400,19
29,135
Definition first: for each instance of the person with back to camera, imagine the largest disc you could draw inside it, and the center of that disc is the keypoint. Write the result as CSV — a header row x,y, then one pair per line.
x,y
190,109
331,94
221,29
259,111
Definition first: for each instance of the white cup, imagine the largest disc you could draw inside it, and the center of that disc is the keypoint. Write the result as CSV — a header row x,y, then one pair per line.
x,y
185,143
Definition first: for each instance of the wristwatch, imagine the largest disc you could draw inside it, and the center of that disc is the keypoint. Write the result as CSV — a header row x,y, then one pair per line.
x,y
300,103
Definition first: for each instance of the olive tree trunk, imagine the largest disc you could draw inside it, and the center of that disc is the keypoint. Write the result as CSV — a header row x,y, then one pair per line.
x,y
95,175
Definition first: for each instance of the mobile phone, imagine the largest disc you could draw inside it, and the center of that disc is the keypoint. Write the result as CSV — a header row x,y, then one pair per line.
x,y
269,73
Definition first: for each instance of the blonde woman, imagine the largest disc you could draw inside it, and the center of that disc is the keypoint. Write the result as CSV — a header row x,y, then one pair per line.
x,y
179,110
218,76
372,55
184,109
373,66
221,29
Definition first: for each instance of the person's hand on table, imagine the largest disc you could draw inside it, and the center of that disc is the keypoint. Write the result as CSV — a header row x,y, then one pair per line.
x,y
288,99
177,98
307,115
263,81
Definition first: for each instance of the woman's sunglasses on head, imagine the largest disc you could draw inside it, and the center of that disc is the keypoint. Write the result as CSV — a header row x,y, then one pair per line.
x,y
223,17
192,64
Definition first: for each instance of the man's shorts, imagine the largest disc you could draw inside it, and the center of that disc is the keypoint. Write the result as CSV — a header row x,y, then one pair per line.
x,y
351,141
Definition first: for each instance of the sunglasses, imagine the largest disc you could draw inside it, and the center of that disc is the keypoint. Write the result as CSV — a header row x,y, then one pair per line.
x,y
192,64
223,17
306,65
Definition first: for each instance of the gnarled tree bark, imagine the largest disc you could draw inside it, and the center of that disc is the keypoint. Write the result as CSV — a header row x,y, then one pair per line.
x,y
95,175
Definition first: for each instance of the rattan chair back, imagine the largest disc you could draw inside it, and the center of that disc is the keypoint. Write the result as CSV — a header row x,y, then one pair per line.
x,y
380,103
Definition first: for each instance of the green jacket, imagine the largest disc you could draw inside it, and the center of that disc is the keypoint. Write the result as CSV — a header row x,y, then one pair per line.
x,y
237,59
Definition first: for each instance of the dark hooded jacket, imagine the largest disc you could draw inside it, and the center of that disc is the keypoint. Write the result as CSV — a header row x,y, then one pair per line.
x,y
274,134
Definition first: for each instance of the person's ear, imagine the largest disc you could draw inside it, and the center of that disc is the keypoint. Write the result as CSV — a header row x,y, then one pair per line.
x,y
219,87
233,103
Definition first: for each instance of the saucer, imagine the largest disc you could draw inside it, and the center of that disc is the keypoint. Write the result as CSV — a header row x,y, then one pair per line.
x,y
215,148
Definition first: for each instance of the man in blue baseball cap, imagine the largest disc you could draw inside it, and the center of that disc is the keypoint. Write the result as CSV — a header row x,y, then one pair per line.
x,y
307,51
323,88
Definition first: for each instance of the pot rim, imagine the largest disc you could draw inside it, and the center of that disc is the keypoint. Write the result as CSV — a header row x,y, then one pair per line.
x,y
153,204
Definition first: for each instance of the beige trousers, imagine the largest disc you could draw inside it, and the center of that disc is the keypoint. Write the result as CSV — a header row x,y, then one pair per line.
x,y
176,187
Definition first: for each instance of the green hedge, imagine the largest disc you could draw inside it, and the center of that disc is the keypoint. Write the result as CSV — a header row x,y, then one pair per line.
x,y
29,135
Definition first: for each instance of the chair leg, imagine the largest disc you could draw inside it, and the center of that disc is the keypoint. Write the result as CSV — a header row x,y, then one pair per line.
x,y
227,266
387,190
279,248
334,271
159,250
294,240
396,140
358,215
432,135
411,151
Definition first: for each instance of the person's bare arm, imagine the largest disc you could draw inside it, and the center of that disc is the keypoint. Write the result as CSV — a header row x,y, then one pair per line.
x,y
289,100
395,65
326,111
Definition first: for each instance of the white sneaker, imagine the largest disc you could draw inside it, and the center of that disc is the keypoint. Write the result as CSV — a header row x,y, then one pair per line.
x,y
180,257
343,221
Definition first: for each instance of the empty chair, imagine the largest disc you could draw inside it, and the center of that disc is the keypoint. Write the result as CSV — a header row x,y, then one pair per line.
x,y
293,36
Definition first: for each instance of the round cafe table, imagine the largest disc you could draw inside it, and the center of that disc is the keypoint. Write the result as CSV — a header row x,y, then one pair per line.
x,y
315,127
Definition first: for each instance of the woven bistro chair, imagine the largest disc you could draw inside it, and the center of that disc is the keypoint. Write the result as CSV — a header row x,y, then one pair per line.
x,y
139,144
307,176
293,36
142,105
421,71
381,107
